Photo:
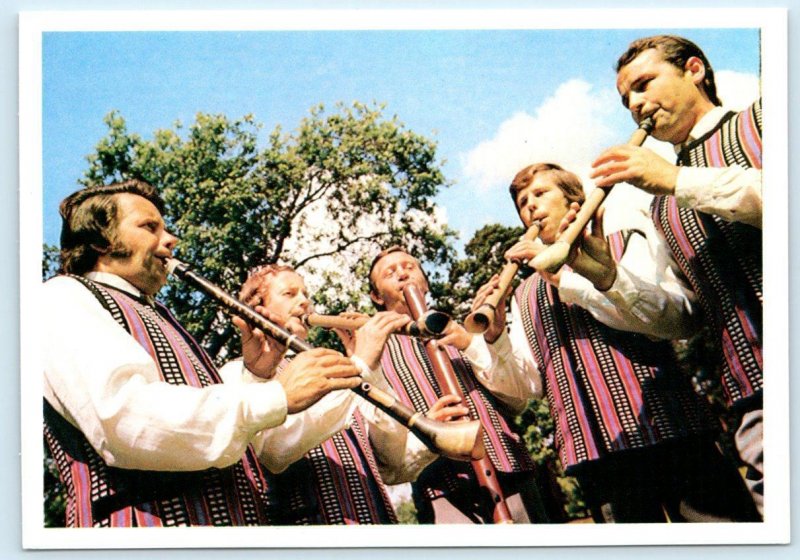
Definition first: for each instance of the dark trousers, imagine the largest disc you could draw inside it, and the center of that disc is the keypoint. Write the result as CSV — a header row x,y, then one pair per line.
x,y
685,481
467,505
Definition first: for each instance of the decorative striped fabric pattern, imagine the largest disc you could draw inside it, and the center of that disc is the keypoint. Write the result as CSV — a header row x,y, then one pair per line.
x,y
103,496
723,260
335,483
409,371
608,390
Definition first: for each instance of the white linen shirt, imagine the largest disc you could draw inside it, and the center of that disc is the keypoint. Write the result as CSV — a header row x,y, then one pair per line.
x,y
732,193
658,305
105,384
401,455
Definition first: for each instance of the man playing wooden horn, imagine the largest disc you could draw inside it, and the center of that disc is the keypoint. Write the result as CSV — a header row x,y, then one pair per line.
x,y
326,469
447,491
142,429
707,210
628,425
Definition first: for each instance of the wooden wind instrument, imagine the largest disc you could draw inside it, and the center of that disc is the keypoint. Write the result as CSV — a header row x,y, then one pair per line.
x,y
431,325
554,257
448,382
462,441
482,319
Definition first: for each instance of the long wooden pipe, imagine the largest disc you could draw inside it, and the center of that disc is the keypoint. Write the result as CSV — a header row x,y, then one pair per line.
x,y
448,382
554,257
455,440
482,319
430,325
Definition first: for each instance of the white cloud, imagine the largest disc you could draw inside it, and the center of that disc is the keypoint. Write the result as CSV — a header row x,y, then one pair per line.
x,y
737,91
568,128
571,128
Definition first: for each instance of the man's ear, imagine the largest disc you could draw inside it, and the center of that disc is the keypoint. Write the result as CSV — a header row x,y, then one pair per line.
x,y
697,69
375,299
100,250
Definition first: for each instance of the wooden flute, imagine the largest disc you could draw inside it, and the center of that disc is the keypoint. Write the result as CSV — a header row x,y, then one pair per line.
x,y
554,257
431,325
462,441
482,319
448,382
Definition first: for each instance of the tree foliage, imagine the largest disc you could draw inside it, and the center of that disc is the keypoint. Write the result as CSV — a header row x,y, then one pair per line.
x,y
483,258
324,198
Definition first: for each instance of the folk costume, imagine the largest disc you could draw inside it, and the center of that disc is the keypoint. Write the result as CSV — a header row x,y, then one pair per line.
x,y
141,428
712,227
326,471
447,491
627,423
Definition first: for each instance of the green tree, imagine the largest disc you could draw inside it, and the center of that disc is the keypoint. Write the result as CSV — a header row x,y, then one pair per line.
x,y
50,261
407,513
323,198
483,258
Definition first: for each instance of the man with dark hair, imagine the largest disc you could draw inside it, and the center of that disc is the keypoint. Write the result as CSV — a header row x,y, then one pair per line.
x,y
142,430
326,469
707,209
448,491
628,425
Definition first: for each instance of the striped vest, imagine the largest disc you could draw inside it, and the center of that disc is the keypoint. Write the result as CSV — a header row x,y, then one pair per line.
x,y
408,370
723,260
336,482
608,390
103,496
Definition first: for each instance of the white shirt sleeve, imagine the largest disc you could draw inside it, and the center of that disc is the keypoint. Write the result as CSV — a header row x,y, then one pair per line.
x,y
646,297
104,383
732,193
503,374
515,369
280,446
401,456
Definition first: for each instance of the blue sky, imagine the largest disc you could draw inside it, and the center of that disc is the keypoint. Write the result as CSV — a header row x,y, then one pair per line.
x,y
486,96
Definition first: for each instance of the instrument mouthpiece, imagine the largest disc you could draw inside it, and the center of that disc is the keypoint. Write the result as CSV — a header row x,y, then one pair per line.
x,y
172,264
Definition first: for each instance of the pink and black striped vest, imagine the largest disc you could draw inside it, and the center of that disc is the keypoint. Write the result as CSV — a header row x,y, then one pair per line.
x,y
608,390
336,482
103,496
408,370
723,260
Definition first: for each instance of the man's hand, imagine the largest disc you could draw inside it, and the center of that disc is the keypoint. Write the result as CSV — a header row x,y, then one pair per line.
x,y
372,335
347,336
456,335
499,323
313,374
524,251
447,408
261,353
641,167
591,257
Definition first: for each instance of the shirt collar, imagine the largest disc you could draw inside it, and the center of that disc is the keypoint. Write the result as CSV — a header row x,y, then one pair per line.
x,y
706,123
118,282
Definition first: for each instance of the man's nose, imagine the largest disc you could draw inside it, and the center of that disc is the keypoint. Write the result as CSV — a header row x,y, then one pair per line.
x,y
169,241
635,103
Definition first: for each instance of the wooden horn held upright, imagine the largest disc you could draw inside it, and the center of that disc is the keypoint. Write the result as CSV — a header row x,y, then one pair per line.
x,y
446,376
482,319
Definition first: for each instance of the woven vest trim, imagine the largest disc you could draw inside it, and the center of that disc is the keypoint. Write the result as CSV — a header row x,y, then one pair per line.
x,y
336,482
99,495
722,260
608,390
408,370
